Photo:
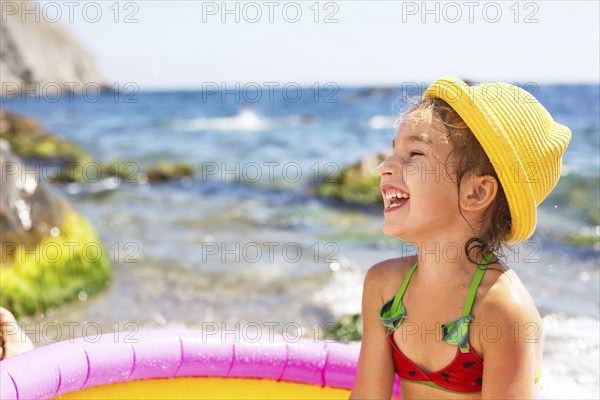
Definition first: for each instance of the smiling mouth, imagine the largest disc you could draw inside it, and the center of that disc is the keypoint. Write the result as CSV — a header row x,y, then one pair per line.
x,y
393,198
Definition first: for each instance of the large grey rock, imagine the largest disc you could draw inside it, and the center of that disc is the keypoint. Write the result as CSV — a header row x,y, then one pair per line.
x,y
28,209
41,54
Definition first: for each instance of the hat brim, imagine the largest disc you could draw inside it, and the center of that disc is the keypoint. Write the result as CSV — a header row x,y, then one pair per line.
x,y
473,109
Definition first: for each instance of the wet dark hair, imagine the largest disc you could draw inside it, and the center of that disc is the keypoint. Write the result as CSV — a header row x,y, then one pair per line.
x,y
468,156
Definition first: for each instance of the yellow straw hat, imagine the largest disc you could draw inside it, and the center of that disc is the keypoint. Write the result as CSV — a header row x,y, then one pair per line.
x,y
522,141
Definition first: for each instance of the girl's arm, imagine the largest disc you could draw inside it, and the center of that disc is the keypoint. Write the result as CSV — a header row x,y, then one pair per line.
x,y
375,371
12,339
511,343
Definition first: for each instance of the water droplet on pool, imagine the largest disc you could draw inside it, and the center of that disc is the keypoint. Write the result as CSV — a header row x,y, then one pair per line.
x,y
160,320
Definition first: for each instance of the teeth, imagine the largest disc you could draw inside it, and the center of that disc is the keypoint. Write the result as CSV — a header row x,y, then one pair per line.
x,y
396,194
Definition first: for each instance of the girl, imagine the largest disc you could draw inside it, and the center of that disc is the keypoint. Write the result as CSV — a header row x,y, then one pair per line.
x,y
470,166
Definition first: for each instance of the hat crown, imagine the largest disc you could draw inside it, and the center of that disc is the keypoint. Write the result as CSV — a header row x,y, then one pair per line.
x,y
524,144
533,133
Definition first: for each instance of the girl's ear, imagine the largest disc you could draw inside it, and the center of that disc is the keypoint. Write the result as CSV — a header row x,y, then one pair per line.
x,y
477,192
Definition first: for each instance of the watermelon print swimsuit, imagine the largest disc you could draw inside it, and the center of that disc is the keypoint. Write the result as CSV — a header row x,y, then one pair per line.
x,y
464,374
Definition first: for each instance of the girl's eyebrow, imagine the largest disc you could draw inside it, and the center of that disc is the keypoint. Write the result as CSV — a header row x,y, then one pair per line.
x,y
422,138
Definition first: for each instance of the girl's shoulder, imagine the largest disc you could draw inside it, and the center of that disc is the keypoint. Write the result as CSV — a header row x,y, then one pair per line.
x,y
385,277
506,319
505,297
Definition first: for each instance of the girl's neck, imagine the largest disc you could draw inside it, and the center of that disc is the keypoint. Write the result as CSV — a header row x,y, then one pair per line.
x,y
444,262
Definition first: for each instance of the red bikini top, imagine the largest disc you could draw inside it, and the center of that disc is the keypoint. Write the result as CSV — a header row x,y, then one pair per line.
x,y
464,374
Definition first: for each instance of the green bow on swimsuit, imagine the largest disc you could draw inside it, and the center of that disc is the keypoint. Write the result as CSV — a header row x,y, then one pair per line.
x,y
392,315
457,332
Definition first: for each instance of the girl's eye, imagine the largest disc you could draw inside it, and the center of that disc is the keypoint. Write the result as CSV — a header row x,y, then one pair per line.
x,y
416,153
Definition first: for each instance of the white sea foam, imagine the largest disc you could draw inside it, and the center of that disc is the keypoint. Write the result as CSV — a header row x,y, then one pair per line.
x,y
381,122
245,120
343,293
571,358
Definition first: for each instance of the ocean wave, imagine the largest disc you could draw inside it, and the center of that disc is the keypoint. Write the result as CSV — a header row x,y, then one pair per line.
x,y
245,121
381,122
571,358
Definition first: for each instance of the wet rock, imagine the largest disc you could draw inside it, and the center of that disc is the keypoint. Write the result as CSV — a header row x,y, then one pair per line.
x,y
49,253
356,184
165,171
585,237
28,211
29,140
347,329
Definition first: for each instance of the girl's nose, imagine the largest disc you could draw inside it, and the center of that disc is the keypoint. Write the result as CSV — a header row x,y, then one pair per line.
x,y
385,168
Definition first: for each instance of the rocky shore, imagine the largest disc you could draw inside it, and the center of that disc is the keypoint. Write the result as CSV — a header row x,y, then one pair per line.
x,y
39,56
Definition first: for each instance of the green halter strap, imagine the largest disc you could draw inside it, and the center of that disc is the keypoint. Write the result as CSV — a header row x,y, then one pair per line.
x,y
457,332
475,283
402,289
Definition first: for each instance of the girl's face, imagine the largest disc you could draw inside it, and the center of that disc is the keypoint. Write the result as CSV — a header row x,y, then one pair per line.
x,y
419,191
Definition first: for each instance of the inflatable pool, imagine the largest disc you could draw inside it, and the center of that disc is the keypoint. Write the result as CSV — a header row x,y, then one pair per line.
x,y
180,364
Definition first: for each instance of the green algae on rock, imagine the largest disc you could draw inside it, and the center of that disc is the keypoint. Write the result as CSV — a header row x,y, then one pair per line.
x,y
57,270
347,329
585,237
357,184
50,254
164,171
29,140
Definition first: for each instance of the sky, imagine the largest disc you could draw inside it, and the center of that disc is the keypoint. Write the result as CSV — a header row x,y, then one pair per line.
x,y
188,44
